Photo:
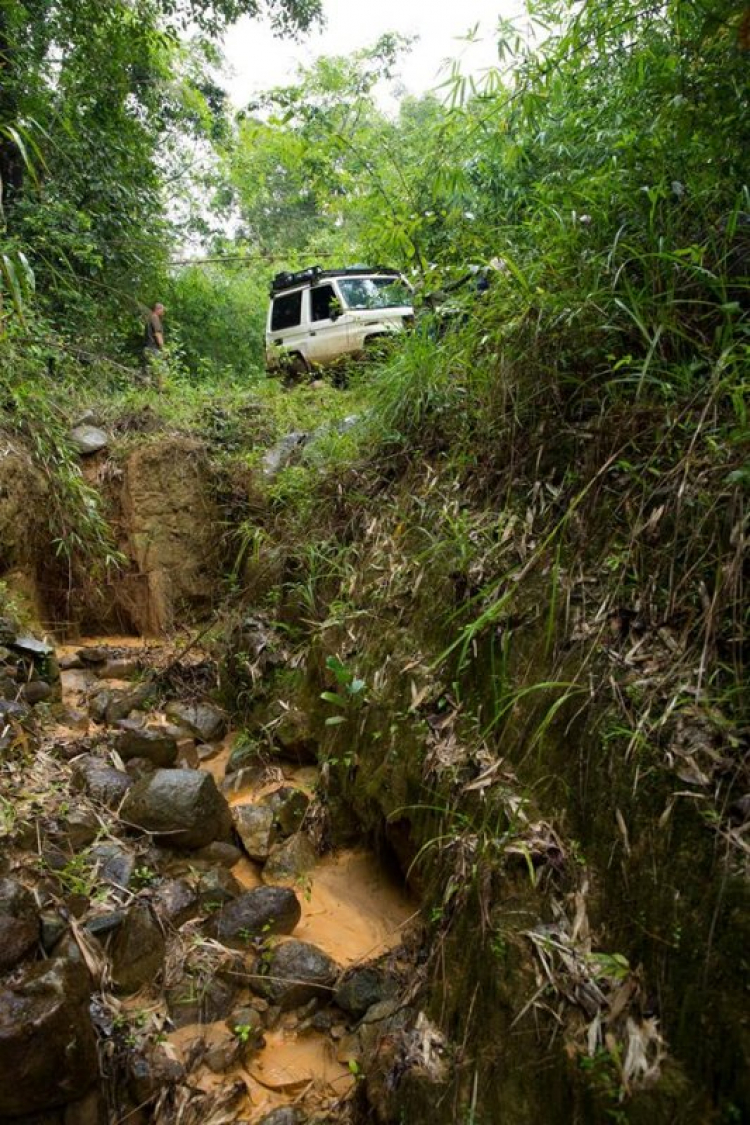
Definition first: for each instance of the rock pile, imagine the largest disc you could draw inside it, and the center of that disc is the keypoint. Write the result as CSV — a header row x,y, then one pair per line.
x,y
136,893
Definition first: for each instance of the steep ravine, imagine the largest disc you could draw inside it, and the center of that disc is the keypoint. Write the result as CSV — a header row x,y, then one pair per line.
x,y
571,944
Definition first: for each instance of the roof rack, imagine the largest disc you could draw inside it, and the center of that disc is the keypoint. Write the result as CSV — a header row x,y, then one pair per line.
x,y
313,274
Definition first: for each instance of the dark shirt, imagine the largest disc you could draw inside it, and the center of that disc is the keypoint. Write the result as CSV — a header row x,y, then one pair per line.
x,y
153,325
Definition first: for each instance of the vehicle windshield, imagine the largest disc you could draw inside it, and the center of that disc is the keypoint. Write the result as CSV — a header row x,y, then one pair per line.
x,y
374,292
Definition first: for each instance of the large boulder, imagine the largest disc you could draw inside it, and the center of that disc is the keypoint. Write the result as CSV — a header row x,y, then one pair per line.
x,y
137,950
150,743
48,1054
255,827
296,973
290,861
182,808
19,923
256,913
201,719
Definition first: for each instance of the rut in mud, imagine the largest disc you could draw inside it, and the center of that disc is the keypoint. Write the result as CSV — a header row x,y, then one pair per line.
x,y
188,893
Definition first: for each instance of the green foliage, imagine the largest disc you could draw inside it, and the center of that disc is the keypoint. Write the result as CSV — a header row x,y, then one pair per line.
x,y
33,410
350,691
220,319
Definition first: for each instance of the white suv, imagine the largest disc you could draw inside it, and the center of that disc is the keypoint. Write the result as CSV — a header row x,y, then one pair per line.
x,y
317,315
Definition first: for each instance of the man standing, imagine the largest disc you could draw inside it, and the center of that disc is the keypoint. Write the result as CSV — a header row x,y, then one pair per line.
x,y
153,341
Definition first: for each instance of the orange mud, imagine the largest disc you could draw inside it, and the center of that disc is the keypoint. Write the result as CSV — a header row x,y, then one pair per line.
x,y
283,1072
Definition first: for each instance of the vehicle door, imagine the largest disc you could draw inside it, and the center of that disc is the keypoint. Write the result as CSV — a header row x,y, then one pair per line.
x,y
329,325
288,325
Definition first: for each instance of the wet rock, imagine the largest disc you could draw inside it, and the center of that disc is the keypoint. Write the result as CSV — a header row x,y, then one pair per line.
x,y
176,732
362,988
290,861
31,646
202,720
200,1000
88,439
226,1053
177,902
150,743
102,782
137,951
122,703
48,1053
75,719
103,925
282,453
296,973
289,807
96,654
261,911
12,709
70,662
139,767
36,691
98,704
284,1115
183,808
115,865
322,1021
120,668
216,888
19,923
218,852
52,929
80,829
248,1022
255,827
152,1071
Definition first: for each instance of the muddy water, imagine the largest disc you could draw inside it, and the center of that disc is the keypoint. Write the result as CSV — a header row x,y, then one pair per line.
x,y
351,909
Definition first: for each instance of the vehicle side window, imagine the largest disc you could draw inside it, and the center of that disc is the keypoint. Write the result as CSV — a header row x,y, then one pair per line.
x,y
323,298
287,311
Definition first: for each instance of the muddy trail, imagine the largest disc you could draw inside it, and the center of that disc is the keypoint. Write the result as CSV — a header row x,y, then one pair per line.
x,y
183,939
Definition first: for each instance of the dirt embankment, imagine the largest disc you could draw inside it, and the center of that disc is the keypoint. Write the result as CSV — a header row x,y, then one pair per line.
x,y
159,501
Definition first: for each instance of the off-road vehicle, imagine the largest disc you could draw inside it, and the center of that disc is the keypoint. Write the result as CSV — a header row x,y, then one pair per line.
x,y
318,315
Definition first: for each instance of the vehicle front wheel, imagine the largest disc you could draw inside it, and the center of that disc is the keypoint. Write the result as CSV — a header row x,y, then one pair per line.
x,y
295,368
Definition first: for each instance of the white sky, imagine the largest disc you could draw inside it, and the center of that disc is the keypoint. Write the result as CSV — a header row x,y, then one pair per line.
x,y
258,61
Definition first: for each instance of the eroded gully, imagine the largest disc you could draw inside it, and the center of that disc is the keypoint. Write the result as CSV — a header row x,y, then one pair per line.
x,y
257,1057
